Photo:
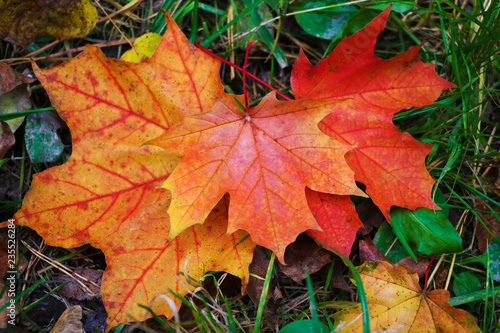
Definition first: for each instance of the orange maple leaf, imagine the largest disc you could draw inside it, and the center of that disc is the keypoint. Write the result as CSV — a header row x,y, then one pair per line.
x,y
264,160
397,303
390,163
106,194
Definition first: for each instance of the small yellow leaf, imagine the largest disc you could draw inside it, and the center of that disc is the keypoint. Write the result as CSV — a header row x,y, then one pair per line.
x,y
144,47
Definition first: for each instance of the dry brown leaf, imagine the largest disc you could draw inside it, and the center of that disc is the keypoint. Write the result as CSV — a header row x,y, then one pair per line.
x,y
4,262
369,252
258,267
16,100
7,138
419,267
76,291
11,78
304,254
14,95
70,321
491,221
370,215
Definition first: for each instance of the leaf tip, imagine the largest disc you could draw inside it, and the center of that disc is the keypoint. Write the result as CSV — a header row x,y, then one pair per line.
x,y
153,142
385,13
174,232
148,143
168,18
36,69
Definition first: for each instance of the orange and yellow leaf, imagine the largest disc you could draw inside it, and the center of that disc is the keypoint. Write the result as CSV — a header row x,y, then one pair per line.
x,y
397,303
107,193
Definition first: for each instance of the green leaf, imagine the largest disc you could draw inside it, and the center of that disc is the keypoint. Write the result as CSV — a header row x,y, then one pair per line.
x,y
490,259
383,241
397,6
358,21
396,228
386,234
429,230
305,326
324,23
466,283
440,200
42,140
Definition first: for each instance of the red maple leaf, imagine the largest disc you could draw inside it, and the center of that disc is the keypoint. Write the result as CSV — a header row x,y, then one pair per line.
x,y
264,159
389,162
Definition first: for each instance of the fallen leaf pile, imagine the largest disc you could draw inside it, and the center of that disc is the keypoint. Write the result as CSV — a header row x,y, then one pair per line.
x,y
271,172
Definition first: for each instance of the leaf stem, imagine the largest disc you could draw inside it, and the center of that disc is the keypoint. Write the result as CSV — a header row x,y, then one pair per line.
x,y
241,69
427,274
250,44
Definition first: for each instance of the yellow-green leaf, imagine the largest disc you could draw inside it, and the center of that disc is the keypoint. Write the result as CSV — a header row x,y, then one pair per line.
x,y
21,22
143,48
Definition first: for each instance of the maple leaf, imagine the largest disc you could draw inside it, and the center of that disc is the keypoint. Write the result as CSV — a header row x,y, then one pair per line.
x,y
397,303
264,160
337,217
106,194
390,163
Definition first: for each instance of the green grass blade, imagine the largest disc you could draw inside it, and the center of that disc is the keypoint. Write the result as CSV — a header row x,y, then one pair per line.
x,y
9,116
359,285
194,27
263,297
211,38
